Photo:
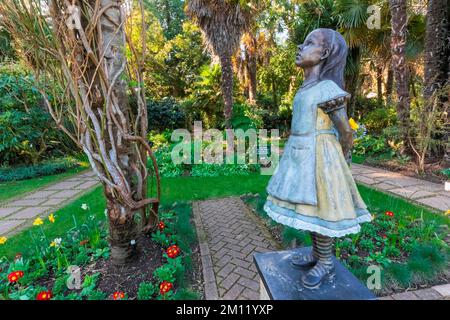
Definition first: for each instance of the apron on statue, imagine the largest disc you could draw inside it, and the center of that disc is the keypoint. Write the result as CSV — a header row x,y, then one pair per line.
x,y
294,179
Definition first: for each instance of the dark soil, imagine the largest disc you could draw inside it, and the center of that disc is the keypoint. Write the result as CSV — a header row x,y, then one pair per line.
x,y
128,278
432,169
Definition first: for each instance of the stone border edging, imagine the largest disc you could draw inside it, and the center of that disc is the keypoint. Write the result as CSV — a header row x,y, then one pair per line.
x,y
210,286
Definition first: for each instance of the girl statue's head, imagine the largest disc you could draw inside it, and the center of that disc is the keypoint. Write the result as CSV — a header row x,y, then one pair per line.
x,y
327,49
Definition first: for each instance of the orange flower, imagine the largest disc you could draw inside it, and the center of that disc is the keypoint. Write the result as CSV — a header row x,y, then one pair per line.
x,y
118,295
83,242
44,295
15,276
165,287
173,251
389,213
161,226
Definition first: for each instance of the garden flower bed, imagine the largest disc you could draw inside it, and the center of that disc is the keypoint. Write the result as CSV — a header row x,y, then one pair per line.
x,y
163,270
410,244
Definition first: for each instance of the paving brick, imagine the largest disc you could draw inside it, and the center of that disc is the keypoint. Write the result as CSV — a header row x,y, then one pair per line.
x,y
443,290
405,296
53,201
228,282
428,294
64,185
26,202
66,194
249,283
234,292
41,194
29,213
439,202
7,211
87,185
7,226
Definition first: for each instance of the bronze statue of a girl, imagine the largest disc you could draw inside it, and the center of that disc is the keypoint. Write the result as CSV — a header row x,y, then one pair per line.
x,y
312,188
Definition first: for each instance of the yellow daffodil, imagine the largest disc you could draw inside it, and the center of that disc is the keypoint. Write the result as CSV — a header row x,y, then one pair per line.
x,y
353,124
38,222
56,242
3,240
53,244
51,218
447,212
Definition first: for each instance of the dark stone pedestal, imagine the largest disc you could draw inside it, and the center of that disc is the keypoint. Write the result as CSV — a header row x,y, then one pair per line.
x,y
280,280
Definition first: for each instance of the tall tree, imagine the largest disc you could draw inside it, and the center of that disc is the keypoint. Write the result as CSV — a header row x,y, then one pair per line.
x,y
437,55
169,13
399,64
222,23
81,49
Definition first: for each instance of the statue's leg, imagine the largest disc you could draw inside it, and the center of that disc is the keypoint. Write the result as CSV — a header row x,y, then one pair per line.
x,y
324,267
309,259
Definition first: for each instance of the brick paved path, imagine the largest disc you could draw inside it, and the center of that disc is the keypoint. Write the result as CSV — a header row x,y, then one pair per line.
x,y
441,292
229,235
21,212
423,192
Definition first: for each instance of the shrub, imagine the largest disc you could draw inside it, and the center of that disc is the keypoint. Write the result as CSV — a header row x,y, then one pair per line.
x,y
43,169
379,119
164,114
27,132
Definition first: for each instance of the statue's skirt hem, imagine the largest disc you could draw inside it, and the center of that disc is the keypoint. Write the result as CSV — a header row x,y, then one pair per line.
x,y
335,229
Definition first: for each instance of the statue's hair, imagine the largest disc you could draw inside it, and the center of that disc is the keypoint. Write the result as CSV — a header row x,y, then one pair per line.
x,y
334,66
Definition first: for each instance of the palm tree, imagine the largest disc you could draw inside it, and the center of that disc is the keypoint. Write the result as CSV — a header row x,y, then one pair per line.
x,y
437,56
222,23
399,64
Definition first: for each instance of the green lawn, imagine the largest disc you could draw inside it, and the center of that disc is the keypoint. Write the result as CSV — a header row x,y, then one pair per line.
x,y
197,188
9,190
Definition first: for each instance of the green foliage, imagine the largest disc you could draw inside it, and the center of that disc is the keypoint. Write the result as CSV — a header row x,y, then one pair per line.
x,y
43,169
170,14
27,132
164,114
378,119
146,291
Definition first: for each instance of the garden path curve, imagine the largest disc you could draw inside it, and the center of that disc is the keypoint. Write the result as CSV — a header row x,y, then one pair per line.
x,y
19,213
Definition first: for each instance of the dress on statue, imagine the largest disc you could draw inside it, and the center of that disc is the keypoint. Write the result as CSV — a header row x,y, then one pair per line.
x,y
312,188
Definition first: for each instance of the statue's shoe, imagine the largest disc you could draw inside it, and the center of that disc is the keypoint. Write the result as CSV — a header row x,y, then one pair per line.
x,y
303,260
319,273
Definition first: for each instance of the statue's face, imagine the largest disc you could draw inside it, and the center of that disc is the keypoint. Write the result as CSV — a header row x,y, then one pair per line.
x,y
312,51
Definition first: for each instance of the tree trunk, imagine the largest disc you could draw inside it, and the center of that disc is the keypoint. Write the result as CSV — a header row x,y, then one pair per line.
x,y
400,66
251,66
121,218
380,84
436,51
389,84
123,233
352,79
227,88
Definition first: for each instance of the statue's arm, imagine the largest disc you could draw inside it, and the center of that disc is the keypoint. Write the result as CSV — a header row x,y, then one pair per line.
x,y
340,121
337,112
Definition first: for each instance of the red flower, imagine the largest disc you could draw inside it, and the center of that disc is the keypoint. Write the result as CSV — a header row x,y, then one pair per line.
x,y
165,287
118,295
15,276
161,226
384,236
389,213
44,295
173,251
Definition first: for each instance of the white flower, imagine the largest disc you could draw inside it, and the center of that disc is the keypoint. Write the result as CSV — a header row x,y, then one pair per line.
x,y
133,242
106,212
56,242
84,206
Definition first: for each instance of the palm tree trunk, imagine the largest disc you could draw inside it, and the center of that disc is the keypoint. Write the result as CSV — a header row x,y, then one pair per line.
x,y
389,84
352,80
227,88
380,84
399,65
